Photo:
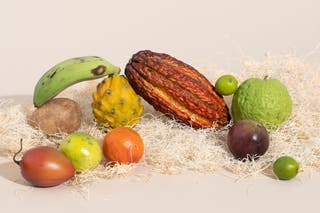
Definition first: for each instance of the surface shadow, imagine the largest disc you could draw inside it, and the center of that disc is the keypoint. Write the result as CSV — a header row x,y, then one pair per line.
x,y
26,102
268,172
11,172
19,99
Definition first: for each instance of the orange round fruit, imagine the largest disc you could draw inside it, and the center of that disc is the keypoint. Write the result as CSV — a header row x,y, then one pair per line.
x,y
123,145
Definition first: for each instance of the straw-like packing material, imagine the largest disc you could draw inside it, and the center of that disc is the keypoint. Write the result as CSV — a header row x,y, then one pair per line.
x,y
171,147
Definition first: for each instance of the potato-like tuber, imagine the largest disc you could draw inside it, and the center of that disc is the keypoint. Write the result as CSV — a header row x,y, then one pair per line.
x,y
57,115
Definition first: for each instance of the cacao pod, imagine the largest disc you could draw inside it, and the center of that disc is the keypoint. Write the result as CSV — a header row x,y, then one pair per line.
x,y
176,89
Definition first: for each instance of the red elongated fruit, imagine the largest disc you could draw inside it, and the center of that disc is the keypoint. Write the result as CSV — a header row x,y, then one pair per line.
x,y
45,166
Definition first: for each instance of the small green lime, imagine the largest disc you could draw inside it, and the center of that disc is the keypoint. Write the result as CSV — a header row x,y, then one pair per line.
x,y
226,85
82,150
285,168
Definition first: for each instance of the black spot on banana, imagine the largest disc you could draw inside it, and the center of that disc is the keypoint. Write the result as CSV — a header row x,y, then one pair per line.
x,y
69,72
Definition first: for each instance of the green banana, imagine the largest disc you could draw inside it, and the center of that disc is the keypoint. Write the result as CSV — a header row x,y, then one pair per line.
x,y
69,72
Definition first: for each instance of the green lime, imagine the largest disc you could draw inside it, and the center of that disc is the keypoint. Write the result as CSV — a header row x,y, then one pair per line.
x,y
226,85
285,168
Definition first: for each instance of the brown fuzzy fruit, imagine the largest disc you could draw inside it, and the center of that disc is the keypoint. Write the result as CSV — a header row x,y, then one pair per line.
x,y
57,115
176,89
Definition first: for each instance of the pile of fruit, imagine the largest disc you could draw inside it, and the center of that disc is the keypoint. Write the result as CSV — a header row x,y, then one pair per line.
x,y
173,88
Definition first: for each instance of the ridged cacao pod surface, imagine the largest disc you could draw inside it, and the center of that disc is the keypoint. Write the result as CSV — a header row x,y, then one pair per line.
x,y
176,89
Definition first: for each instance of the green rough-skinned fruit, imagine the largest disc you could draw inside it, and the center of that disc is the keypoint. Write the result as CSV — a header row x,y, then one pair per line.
x,y
83,150
115,103
69,72
264,100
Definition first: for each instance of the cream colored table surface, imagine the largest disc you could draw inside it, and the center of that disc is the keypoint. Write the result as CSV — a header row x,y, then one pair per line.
x,y
179,193
36,34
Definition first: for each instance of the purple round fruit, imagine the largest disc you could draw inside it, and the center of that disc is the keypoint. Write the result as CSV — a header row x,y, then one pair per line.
x,y
248,139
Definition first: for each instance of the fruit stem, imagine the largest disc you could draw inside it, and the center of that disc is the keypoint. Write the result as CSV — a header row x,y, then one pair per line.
x,y
15,155
265,77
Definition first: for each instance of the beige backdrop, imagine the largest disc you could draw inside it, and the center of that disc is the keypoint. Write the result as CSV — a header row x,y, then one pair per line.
x,y
36,34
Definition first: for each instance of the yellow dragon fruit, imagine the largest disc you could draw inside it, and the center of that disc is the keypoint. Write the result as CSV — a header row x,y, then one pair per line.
x,y
115,103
